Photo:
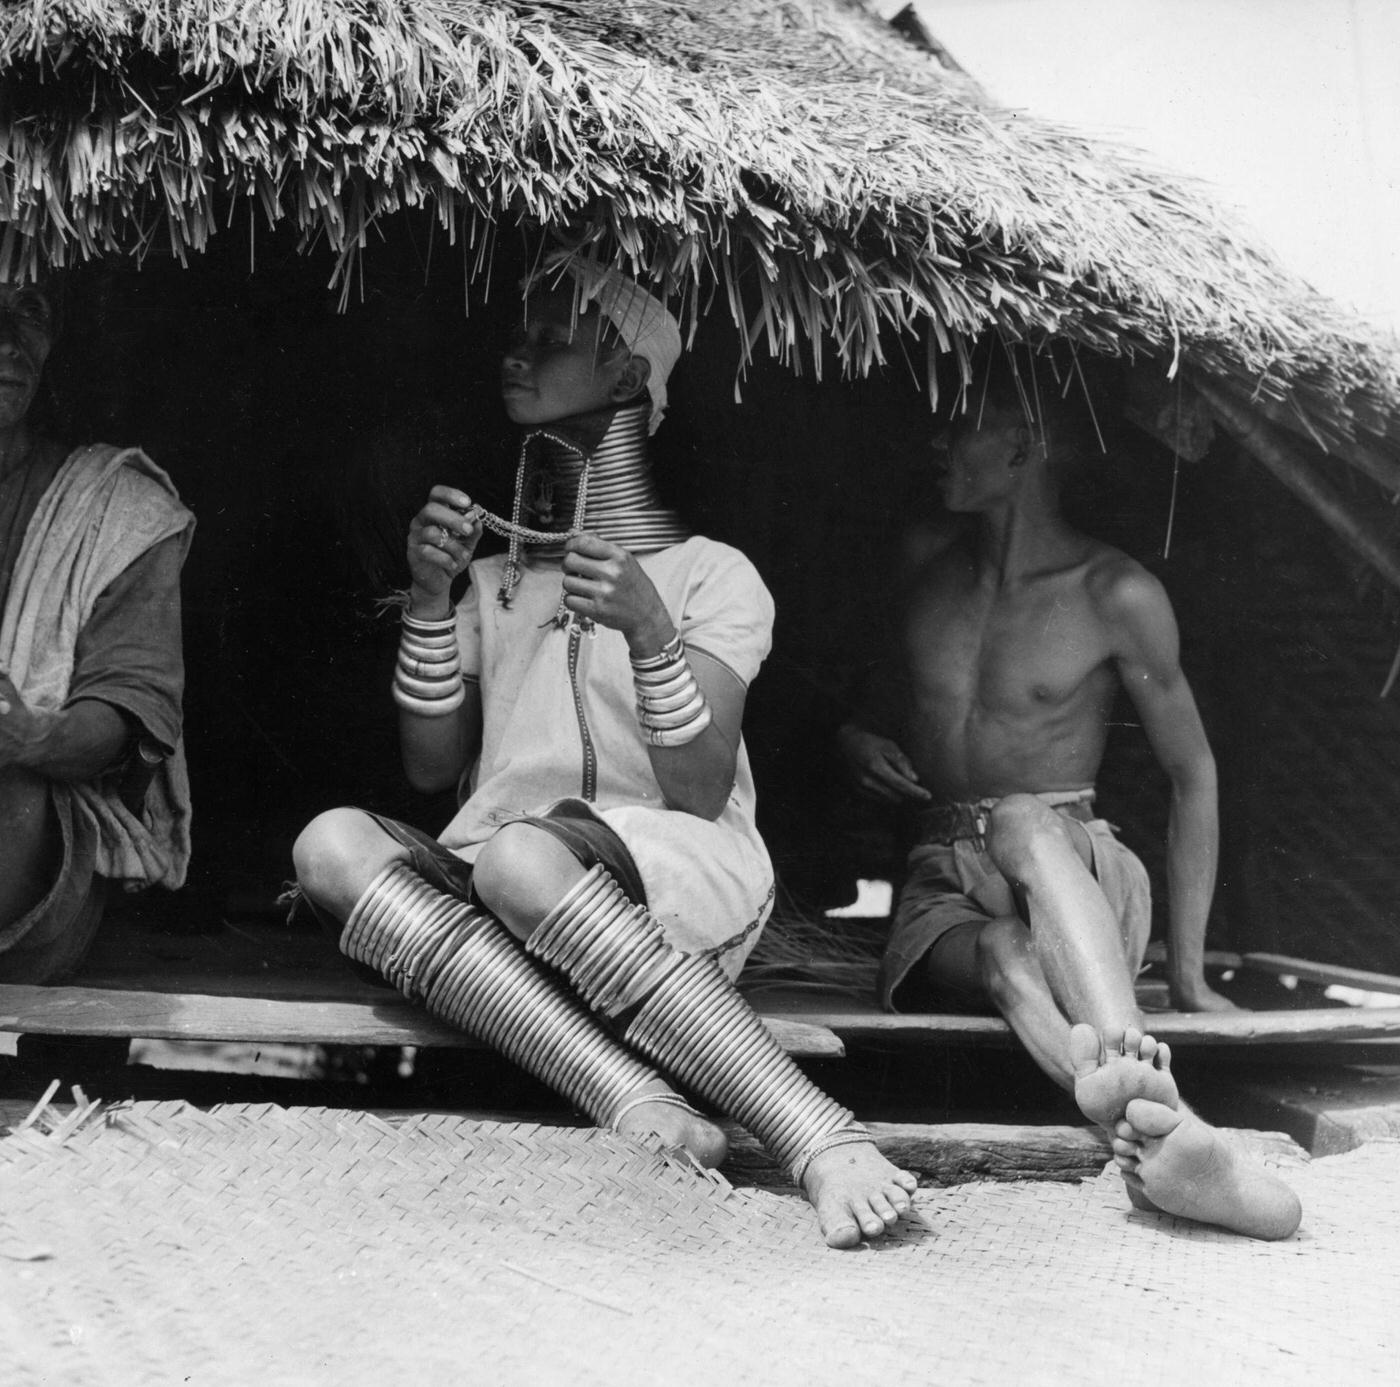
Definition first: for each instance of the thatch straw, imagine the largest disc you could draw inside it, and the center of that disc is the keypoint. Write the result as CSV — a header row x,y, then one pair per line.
x,y
834,183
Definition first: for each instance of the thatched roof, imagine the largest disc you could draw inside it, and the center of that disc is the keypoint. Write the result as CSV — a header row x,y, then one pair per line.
x,y
839,185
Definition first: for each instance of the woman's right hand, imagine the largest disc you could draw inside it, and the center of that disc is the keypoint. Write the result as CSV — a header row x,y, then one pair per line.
x,y
442,538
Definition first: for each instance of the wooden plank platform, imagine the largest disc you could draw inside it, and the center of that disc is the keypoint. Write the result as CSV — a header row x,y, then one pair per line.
x,y
1326,1111
1325,974
147,1015
1244,1028
266,984
382,1019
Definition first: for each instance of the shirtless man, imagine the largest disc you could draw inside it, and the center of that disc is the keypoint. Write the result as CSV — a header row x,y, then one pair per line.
x,y
1017,634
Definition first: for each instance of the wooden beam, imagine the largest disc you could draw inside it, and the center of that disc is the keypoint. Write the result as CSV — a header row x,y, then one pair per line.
x,y
1213,958
1293,469
196,1016
1382,469
944,1153
952,1153
1178,1028
186,1016
1347,1109
1325,973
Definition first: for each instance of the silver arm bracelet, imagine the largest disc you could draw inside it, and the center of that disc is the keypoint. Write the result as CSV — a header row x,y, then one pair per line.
x,y
428,628
687,732
434,690
428,669
690,694
427,650
681,717
663,681
668,654
430,707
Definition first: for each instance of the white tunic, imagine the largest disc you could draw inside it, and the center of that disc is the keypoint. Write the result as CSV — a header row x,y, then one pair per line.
x,y
710,884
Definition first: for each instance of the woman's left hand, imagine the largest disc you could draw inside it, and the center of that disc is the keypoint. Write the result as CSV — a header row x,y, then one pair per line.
x,y
604,582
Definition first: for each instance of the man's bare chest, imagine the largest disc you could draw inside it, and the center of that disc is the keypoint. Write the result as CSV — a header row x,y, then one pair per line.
x,y
1005,653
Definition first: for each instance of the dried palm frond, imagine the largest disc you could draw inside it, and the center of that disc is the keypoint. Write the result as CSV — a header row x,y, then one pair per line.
x,y
837,186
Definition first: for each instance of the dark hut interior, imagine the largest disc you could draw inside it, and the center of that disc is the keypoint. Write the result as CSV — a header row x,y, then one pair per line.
x,y
304,434
296,236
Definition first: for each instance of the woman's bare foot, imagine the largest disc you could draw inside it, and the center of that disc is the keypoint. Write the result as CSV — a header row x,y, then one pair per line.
x,y
857,1193
675,1122
1188,1168
1112,1068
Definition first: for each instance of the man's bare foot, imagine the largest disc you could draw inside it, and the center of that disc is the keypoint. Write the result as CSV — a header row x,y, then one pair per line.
x,y
675,1122
857,1193
1188,1168
1112,1068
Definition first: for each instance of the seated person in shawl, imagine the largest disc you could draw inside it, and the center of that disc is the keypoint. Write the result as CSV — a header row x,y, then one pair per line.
x,y
1015,636
92,784
588,907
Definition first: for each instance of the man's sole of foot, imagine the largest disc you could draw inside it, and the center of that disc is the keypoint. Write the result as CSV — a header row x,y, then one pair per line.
x,y
857,1193
1114,1066
1187,1168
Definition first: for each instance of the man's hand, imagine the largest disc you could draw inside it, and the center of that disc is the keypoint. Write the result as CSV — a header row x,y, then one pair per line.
x,y
21,728
442,538
879,766
604,582
1197,996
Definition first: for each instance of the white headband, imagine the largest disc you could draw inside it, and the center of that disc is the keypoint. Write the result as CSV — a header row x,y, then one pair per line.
x,y
641,320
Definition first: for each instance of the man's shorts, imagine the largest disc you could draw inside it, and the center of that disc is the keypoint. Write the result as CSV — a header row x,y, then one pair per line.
x,y
956,884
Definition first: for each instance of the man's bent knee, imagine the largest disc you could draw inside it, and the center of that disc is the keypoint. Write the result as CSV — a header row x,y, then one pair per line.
x,y
1022,830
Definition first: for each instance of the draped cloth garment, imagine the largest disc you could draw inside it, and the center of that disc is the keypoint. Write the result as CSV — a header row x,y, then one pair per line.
x,y
105,508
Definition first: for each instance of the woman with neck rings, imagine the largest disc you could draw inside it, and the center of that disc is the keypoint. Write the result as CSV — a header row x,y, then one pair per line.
x,y
591,902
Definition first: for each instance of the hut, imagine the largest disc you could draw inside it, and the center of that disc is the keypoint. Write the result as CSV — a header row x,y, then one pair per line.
x,y
292,227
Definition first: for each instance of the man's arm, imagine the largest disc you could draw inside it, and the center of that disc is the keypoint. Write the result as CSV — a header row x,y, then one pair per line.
x,y
76,743
128,677
877,764
868,740
1149,664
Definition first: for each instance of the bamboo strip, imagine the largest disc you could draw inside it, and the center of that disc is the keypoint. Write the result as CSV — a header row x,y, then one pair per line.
x,y
1325,973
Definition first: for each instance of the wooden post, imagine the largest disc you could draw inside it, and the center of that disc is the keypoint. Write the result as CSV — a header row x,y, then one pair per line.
x,y
1294,470
1365,458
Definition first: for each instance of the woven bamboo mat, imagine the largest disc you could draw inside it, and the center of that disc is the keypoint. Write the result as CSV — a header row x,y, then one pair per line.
x,y
161,1244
